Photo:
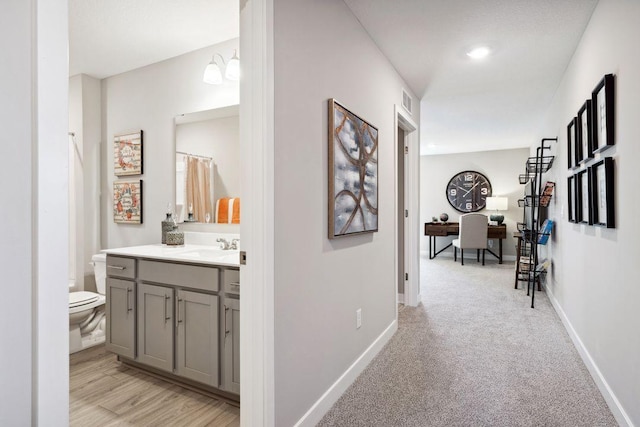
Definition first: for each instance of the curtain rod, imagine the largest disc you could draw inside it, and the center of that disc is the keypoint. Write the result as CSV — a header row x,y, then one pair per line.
x,y
194,155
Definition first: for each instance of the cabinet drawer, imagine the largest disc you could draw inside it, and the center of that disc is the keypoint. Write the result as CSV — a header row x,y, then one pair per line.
x,y
121,267
188,276
231,281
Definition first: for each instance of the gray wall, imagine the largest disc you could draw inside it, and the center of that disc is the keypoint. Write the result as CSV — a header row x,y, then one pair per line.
x,y
501,167
594,274
149,98
322,52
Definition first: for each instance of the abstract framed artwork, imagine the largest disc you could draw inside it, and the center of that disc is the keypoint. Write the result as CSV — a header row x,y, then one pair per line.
x,y
127,154
603,192
353,173
583,190
571,198
585,135
603,114
572,137
127,202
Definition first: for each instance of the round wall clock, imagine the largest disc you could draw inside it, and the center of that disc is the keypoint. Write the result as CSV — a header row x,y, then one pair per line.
x,y
468,191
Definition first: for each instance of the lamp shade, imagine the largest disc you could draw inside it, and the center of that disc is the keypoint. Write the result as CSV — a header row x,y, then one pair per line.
x,y
233,68
212,74
497,203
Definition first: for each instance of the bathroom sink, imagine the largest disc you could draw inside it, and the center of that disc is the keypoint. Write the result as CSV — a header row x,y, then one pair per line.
x,y
210,254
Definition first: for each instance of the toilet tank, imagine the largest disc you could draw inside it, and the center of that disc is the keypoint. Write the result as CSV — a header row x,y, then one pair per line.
x,y
100,272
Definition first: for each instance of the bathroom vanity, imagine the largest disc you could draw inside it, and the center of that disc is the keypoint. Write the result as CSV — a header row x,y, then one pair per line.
x,y
176,312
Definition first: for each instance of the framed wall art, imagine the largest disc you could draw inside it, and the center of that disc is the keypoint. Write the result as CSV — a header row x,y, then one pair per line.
x,y
572,138
571,199
585,135
602,100
127,202
603,192
583,189
353,173
127,154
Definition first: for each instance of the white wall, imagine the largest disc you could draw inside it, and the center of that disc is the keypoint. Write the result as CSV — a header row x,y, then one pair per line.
x,y
149,98
322,52
85,123
501,167
594,278
33,113
220,140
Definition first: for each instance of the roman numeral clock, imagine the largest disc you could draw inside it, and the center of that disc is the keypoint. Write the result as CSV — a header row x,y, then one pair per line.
x,y
468,191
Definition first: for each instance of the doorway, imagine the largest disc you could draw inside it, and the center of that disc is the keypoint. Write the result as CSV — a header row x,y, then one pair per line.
x,y
407,209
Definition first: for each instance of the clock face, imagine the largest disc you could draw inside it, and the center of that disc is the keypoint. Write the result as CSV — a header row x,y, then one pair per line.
x,y
468,191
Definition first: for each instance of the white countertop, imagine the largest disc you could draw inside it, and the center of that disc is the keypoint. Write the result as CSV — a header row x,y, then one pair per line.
x,y
196,254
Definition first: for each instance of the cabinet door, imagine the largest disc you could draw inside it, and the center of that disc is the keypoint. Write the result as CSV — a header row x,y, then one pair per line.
x,y
121,317
155,326
231,351
198,325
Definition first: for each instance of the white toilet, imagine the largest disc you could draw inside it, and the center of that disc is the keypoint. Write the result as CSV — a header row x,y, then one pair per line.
x,y
86,310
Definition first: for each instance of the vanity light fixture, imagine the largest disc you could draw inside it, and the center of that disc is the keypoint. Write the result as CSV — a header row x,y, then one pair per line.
x,y
479,52
213,74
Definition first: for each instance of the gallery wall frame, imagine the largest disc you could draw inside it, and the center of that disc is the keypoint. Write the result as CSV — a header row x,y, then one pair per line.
x,y
128,154
583,190
572,138
585,134
603,113
571,198
602,185
353,173
127,202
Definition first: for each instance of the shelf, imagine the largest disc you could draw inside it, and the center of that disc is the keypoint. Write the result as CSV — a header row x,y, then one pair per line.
x,y
524,178
538,165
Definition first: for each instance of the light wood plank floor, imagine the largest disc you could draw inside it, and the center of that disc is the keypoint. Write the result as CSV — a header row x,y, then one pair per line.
x,y
103,392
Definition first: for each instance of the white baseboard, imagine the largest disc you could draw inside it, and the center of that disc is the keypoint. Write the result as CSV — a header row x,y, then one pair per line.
x,y
331,396
401,298
614,404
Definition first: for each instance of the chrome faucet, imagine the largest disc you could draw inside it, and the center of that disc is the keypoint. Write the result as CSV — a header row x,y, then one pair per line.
x,y
235,244
224,243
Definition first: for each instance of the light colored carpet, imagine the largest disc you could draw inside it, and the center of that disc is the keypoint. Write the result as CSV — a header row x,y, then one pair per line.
x,y
474,354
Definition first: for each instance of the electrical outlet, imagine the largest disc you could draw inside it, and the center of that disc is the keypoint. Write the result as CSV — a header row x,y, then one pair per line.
x,y
358,318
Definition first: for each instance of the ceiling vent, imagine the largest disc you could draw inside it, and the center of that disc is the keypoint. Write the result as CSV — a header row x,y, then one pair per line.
x,y
406,101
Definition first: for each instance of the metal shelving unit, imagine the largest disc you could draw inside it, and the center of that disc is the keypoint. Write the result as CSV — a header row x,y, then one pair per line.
x,y
530,232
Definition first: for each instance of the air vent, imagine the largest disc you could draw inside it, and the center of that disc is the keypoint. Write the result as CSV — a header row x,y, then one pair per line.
x,y
406,101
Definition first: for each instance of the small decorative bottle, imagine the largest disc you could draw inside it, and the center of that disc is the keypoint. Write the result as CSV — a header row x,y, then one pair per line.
x,y
168,224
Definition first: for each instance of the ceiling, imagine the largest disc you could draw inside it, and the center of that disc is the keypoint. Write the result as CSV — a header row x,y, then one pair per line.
x,y
108,37
466,105
476,105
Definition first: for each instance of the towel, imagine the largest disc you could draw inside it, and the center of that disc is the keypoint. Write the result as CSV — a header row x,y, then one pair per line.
x,y
228,210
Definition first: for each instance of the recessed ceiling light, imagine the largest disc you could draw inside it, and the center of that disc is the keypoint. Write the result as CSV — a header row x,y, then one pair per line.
x,y
479,52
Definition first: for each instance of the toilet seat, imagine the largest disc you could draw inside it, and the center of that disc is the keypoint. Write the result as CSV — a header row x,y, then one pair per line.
x,y
77,299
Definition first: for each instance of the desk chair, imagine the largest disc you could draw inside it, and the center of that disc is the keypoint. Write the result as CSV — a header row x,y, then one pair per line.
x,y
473,235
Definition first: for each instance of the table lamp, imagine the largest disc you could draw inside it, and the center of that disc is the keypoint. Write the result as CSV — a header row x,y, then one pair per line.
x,y
497,204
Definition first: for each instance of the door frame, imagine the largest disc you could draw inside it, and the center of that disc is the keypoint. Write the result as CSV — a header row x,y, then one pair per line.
x,y
257,362
403,120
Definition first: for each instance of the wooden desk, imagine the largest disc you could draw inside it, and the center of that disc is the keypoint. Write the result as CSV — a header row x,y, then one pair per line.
x,y
435,229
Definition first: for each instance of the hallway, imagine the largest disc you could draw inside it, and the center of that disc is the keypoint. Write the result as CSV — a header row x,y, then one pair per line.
x,y
474,354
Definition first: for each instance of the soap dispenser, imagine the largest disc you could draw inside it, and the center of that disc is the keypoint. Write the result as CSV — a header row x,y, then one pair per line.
x,y
168,224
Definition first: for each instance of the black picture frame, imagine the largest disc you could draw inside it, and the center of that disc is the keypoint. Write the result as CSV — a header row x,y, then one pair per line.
x,y
603,193
603,113
585,133
583,191
571,198
572,138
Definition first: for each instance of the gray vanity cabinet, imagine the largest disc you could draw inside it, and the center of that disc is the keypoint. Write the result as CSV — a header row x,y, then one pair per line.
x,y
231,357
155,326
197,337
121,317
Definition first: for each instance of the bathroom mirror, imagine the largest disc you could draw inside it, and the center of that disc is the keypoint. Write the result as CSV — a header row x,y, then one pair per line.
x,y
207,171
